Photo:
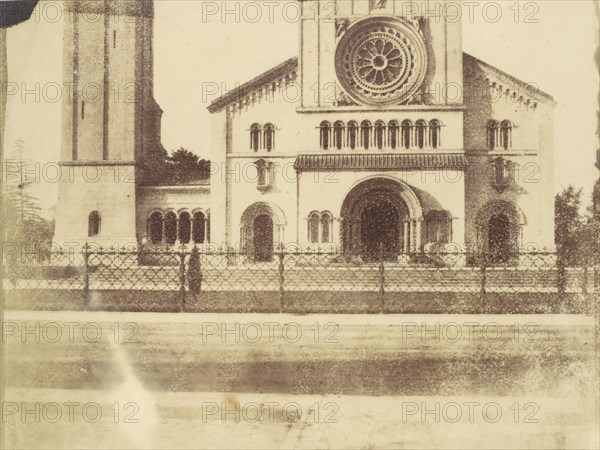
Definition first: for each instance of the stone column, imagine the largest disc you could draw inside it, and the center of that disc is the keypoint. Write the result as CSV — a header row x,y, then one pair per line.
x,y
249,232
355,239
418,234
336,226
384,138
279,236
206,233
406,243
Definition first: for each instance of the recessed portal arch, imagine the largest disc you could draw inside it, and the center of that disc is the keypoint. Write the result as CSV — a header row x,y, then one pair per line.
x,y
381,216
499,225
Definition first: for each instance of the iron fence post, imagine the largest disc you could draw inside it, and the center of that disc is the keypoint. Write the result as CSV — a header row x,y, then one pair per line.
x,y
560,279
194,274
281,281
182,280
381,281
200,272
584,280
483,263
86,276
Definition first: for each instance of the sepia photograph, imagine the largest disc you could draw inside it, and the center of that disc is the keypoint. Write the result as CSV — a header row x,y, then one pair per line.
x,y
300,224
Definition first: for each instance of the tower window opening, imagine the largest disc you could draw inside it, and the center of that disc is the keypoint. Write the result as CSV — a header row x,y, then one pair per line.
x,y
379,134
269,137
338,135
420,131
255,135
352,134
94,222
505,134
393,134
325,128
366,129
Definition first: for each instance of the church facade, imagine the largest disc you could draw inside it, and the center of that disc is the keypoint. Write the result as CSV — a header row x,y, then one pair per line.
x,y
382,135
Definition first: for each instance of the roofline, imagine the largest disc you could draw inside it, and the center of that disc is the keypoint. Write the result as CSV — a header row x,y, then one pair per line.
x,y
254,84
512,78
379,161
291,64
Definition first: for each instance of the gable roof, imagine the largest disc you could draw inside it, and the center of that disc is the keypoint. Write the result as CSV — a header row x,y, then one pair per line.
x,y
530,88
291,65
254,84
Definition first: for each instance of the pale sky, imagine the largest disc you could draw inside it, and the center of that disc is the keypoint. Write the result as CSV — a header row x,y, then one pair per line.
x,y
551,43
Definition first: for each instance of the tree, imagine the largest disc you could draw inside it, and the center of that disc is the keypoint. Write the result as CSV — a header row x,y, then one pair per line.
x,y
153,167
181,167
14,12
184,165
23,224
588,238
568,222
577,236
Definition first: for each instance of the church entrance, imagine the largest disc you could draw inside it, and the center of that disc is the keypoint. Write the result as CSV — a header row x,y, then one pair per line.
x,y
262,228
380,231
263,238
499,238
378,218
498,232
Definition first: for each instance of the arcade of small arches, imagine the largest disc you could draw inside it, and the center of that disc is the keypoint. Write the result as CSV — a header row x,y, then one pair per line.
x,y
319,227
183,227
391,135
262,137
499,134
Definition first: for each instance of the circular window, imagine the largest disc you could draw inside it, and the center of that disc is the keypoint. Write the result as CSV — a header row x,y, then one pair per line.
x,y
381,61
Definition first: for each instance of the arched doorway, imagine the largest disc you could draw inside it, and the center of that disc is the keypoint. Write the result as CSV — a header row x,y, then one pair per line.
x,y
380,230
263,238
499,225
262,228
381,214
499,245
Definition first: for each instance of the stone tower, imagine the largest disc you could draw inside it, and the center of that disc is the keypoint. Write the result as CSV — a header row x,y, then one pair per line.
x,y
109,122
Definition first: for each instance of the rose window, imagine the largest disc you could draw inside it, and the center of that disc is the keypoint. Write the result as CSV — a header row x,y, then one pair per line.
x,y
381,61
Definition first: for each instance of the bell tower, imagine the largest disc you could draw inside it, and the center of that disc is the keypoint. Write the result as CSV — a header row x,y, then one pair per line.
x,y
110,120
380,53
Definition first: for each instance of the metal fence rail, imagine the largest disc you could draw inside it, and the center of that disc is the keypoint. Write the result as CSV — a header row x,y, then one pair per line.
x,y
194,273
